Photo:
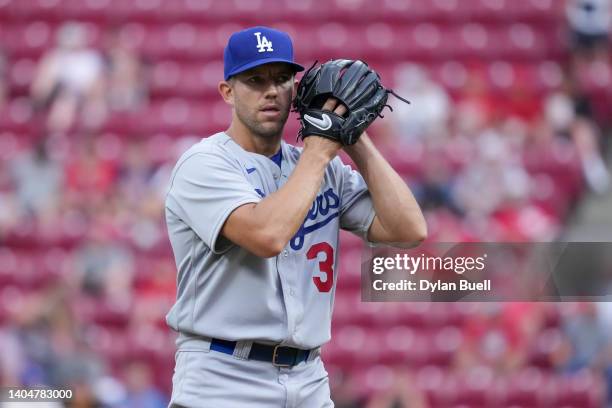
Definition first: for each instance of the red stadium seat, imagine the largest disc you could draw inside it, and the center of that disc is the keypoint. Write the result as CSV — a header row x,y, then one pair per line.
x,y
373,379
30,40
9,267
346,342
165,77
544,76
9,9
582,389
175,41
111,314
38,9
399,344
307,10
426,41
190,10
444,344
541,11
349,266
476,388
524,40
502,76
415,314
200,82
88,10
403,11
343,308
111,343
334,39
473,40
21,75
11,301
174,116
10,144
440,387
544,348
524,389
135,36
517,45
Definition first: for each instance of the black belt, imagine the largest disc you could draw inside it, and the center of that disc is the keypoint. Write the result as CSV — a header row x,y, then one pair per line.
x,y
280,356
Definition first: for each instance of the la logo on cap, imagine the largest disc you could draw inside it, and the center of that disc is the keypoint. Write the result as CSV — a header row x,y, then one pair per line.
x,y
263,45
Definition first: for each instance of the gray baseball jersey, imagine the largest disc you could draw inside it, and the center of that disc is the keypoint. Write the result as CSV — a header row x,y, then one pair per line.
x,y
226,292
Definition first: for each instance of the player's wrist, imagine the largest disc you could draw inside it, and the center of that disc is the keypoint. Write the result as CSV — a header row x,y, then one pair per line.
x,y
319,148
360,146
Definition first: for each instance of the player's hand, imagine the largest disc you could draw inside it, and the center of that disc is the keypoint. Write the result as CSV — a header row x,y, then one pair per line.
x,y
325,145
360,91
332,105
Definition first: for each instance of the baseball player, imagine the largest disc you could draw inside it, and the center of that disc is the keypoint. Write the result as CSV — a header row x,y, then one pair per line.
x,y
254,225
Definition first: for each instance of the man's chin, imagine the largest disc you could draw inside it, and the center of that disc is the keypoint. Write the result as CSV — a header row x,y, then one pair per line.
x,y
271,129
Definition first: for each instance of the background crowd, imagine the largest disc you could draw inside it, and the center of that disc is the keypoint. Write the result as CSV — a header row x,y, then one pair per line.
x,y
506,136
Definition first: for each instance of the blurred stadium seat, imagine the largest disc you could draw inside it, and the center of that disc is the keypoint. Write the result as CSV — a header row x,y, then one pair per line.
x,y
515,46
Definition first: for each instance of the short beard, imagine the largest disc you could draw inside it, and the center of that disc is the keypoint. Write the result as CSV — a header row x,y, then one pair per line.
x,y
258,129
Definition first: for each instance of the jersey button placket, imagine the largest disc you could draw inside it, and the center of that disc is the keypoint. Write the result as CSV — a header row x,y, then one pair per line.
x,y
278,177
287,278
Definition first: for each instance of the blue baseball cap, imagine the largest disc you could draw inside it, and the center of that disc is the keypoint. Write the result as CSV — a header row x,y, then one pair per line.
x,y
256,46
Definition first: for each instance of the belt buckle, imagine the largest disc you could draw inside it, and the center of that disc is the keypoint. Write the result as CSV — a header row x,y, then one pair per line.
x,y
274,354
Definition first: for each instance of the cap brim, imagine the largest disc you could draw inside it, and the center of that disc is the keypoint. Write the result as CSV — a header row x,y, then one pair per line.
x,y
253,64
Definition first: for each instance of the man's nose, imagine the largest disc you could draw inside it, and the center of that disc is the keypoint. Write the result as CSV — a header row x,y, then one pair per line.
x,y
271,89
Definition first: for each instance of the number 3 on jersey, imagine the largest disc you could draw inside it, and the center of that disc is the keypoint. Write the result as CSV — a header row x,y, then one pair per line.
x,y
326,265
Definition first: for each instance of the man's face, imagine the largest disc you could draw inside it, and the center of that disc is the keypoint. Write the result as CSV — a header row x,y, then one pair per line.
x,y
262,98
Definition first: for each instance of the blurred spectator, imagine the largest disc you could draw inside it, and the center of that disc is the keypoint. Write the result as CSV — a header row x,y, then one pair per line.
x,y
135,172
569,115
155,296
71,360
87,174
492,177
588,337
604,311
466,159
402,394
38,180
105,266
11,358
3,78
84,396
69,79
141,393
590,22
475,106
435,188
586,138
499,335
429,114
344,390
47,346
126,78
161,177
140,204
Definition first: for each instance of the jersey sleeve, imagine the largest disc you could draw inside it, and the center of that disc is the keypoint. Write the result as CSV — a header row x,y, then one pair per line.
x,y
205,189
357,210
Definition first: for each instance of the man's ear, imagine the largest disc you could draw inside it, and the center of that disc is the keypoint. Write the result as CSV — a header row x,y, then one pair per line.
x,y
226,91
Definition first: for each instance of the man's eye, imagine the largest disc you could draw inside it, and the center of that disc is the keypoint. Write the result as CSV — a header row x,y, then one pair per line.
x,y
254,80
282,79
